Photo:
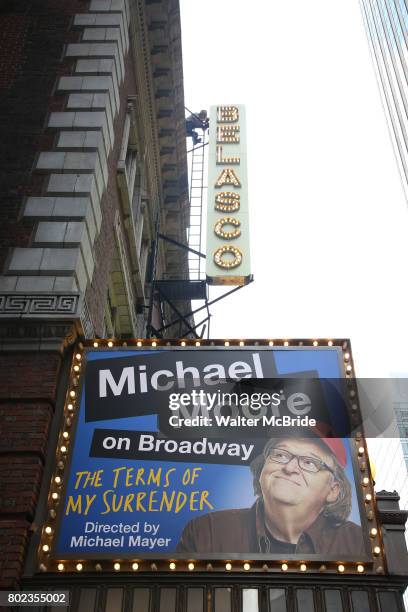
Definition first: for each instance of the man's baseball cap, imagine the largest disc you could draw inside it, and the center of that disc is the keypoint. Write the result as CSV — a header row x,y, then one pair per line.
x,y
324,433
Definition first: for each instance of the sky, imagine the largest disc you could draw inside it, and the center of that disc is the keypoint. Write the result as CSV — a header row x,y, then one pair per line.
x,y
328,216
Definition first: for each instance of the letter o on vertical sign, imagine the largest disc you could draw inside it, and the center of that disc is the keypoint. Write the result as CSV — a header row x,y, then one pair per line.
x,y
221,261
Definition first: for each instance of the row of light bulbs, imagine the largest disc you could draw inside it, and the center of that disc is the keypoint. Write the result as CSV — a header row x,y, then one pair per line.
x,y
228,566
110,343
368,497
63,449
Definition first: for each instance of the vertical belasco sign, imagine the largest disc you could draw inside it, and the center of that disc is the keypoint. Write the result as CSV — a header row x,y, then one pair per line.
x,y
228,258
205,453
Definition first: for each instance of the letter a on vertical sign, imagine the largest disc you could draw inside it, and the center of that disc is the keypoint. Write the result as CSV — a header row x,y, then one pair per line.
x,y
228,259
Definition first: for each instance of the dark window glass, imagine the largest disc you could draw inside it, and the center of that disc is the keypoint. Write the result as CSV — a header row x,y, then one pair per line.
x,y
114,600
360,601
195,600
333,601
141,600
222,600
277,600
87,599
167,600
304,598
250,600
388,601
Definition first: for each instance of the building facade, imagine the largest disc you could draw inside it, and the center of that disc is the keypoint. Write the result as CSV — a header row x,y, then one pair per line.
x,y
93,167
386,23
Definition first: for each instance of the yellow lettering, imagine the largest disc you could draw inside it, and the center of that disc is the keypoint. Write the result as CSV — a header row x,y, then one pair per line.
x,y
98,482
139,476
140,497
193,500
129,498
117,501
203,500
221,233
74,506
227,201
78,478
105,501
153,501
227,114
225,160
222,257
227,133
166,501
167,481
116,471
154,476
196,474
180,501
228,177
89,501
129,473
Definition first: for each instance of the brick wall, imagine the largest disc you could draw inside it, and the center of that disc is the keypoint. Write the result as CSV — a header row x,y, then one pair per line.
x,y
28,384
32,36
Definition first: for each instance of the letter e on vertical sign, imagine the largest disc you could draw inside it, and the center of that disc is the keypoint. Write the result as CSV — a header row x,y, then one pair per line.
x,y
228,260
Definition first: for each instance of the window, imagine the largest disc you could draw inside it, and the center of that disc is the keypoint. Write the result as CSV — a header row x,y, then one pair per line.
x,y
250,600
277,600
114,600
195,600
360,601
168,600
222,600
141,600
333,601
304,600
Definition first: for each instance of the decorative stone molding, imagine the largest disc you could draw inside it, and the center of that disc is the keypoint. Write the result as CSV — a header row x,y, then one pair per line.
x,y
127,305
20,305
68,216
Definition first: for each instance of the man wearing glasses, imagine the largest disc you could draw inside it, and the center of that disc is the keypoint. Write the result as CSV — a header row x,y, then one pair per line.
x,y
303,503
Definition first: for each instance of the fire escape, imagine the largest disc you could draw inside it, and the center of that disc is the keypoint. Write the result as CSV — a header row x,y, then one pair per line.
x,y
165,293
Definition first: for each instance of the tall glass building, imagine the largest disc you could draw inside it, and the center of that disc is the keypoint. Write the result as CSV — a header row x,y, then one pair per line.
x,y
386,23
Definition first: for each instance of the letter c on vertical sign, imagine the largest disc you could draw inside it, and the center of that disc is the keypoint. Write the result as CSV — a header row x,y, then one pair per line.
x,y
221,233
